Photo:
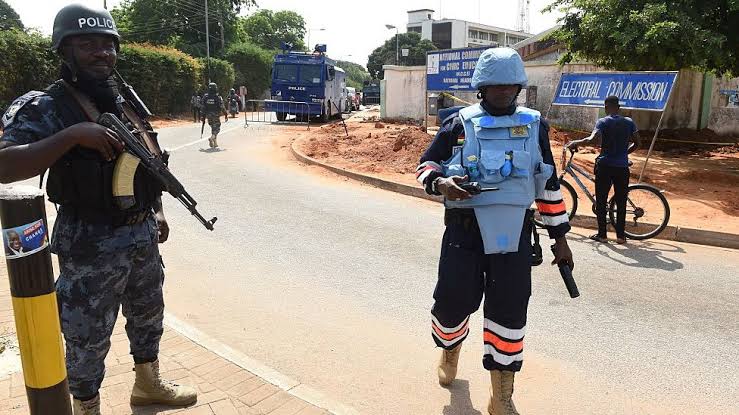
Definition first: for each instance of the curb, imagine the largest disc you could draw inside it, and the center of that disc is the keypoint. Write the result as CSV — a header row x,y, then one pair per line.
x,y
289,385
671,232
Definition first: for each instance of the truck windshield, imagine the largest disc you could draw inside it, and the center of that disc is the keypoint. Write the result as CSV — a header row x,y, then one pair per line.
x,y
286,73
310,74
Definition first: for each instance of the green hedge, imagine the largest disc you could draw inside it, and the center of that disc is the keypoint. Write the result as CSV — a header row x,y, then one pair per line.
x,y
163,77
253,66
27,64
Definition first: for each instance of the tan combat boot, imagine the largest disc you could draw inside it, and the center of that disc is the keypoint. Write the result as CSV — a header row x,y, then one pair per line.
x,y
501,393
150,388
448,365
91,407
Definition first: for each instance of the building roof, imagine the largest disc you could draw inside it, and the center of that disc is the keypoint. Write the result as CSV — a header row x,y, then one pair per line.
x,y
475,24
421,10
535,38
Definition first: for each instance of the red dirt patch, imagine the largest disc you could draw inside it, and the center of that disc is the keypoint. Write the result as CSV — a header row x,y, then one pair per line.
x,y
700,182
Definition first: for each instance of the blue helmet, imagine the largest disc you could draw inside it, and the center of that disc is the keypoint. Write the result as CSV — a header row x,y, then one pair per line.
x,y
499,66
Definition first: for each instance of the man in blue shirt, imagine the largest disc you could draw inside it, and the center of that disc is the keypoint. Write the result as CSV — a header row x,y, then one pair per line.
x,y
614,133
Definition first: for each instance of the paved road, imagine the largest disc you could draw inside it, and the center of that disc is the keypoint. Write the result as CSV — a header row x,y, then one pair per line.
x,y
330,282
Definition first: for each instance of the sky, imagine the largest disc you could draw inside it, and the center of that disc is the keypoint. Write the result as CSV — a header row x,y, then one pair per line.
x,y
352,28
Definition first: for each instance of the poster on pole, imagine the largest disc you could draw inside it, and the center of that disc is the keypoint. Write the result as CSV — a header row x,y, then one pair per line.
x,y
452,69
635,90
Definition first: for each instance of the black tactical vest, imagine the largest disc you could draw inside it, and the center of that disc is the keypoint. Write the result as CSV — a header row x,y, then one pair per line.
x,y
83,180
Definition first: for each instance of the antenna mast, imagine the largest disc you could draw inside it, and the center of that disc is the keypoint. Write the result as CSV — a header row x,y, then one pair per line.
x,y
522,23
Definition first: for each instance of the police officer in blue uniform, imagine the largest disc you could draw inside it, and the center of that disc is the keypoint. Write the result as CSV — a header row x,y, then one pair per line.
x,y
486,248
108,255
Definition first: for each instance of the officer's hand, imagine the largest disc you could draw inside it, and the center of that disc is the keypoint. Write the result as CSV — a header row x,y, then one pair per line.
x,y
562,252
96,137
163,228
447,186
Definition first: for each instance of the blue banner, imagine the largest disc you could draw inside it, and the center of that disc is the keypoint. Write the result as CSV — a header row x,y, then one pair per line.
x,y
451,70
635,90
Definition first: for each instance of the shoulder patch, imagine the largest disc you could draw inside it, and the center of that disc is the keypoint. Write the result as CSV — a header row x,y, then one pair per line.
x,y
19,103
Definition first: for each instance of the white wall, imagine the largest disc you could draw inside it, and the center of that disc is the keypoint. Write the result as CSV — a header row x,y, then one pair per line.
x,y
426,29
403,92
459,34
723,120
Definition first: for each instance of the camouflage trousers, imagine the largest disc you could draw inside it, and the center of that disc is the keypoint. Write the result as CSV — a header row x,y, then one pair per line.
x,y
215,123
90,292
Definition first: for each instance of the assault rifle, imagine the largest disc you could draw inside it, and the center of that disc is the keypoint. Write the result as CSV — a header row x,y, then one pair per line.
x,y
155,166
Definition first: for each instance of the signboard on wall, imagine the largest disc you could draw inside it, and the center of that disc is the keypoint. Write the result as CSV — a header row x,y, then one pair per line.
x,y
635,90
451,69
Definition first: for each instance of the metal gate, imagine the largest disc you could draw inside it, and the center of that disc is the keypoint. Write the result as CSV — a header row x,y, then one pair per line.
x,y
269,111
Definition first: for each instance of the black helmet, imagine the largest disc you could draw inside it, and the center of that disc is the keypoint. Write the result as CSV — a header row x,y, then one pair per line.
x,y
77,19
212,87
233,91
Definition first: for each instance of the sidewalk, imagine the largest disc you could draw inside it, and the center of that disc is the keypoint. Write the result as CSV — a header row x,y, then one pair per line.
x,y
224,388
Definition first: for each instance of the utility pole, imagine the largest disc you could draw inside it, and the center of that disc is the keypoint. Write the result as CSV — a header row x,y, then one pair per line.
x,y
105,4
223,41
207,39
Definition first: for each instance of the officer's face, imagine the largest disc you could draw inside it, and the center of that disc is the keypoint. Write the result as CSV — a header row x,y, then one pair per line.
x,y
14,241
501,96
94,54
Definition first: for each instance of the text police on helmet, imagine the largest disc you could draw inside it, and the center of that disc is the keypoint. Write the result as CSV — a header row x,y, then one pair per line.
x,y
77,19
499,66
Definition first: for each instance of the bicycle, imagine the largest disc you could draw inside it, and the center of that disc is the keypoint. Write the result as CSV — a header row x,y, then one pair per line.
x,y
647,210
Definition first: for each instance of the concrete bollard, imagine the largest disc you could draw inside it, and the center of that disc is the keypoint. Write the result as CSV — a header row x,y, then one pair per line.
x,y
25,236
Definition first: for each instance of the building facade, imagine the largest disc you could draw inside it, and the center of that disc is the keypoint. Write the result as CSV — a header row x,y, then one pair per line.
x,y
539,48
454,34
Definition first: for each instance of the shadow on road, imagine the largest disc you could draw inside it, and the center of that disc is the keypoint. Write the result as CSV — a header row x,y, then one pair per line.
x,y
212,150
460,402
638,254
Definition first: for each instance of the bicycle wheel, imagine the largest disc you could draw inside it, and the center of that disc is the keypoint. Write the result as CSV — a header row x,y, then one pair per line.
x,y
569,196
647,212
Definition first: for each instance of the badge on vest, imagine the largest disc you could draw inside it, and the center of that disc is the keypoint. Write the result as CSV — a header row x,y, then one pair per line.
x,y
519,131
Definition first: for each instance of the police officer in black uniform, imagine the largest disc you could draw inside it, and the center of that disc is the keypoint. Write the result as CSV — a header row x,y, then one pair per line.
x,y
108,254
213,107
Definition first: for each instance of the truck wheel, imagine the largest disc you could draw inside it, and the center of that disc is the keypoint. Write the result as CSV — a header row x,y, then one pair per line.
x,y
281,116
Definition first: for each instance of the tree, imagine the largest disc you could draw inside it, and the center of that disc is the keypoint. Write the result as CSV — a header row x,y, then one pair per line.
x,y
651,34
252,65
9,19
268,29
385,54
181,23
355,74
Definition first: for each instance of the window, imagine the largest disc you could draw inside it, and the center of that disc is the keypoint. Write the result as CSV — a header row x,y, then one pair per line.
x,y
414,29
310,74
441,35
331,73
286,73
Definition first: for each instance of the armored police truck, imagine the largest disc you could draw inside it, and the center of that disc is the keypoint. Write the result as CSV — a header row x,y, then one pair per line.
x,y
312,78
371,92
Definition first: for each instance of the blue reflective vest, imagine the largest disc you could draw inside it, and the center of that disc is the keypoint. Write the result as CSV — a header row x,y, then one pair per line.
x,y
502,152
